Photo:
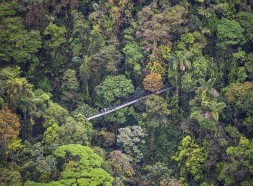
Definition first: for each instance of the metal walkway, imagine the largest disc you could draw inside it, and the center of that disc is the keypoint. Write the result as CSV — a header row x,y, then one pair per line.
x,y
127,104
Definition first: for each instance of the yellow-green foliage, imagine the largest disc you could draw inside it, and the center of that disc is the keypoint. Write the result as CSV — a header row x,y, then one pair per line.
x,y
191,158
81,167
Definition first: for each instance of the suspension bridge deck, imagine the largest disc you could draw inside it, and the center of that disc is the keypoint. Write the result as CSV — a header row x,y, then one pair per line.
x,y
127,104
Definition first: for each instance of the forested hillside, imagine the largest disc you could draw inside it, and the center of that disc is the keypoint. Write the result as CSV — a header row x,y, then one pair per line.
x,y
62,61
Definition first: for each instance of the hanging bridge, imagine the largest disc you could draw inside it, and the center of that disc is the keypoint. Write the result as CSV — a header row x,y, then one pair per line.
x,y
109,110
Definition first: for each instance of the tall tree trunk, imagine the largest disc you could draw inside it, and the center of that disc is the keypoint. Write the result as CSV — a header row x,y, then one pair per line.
x,y
24,126
177,86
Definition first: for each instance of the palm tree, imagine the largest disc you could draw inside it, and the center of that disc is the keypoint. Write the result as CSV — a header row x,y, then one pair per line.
x,y
215,108
180,62
206,87
204,92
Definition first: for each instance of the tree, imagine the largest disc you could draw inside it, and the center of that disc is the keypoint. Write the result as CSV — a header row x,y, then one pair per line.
x,y
55,53
9,132
41,99
112,91
239,95
191,159
156,114
205,106
96,40
69,87
51,135
120,116
129,139
7,73
180,62
10,177
100,18
155,120
89,65
193,42
79,36
229,33
245,20
56,112
109,57
76,130
80,166
156,105
30,104
8,9
238,170
121,165
214,108
155,24
33,165
85,110
133,55
155,174
36,17
17,43
95,67
16,90
188,56
61,61
104,138
153,82
204,92
156,67
120,12
57,35
206,89
19,96
239,98
114,88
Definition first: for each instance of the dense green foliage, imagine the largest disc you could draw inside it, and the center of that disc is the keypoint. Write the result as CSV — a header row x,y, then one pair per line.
x,y
63,61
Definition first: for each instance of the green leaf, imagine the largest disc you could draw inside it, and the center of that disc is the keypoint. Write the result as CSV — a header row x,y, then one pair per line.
x,y
203,95
210,82
215,115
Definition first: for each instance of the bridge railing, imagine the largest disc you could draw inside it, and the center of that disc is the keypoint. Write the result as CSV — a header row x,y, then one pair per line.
x,y
117,107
